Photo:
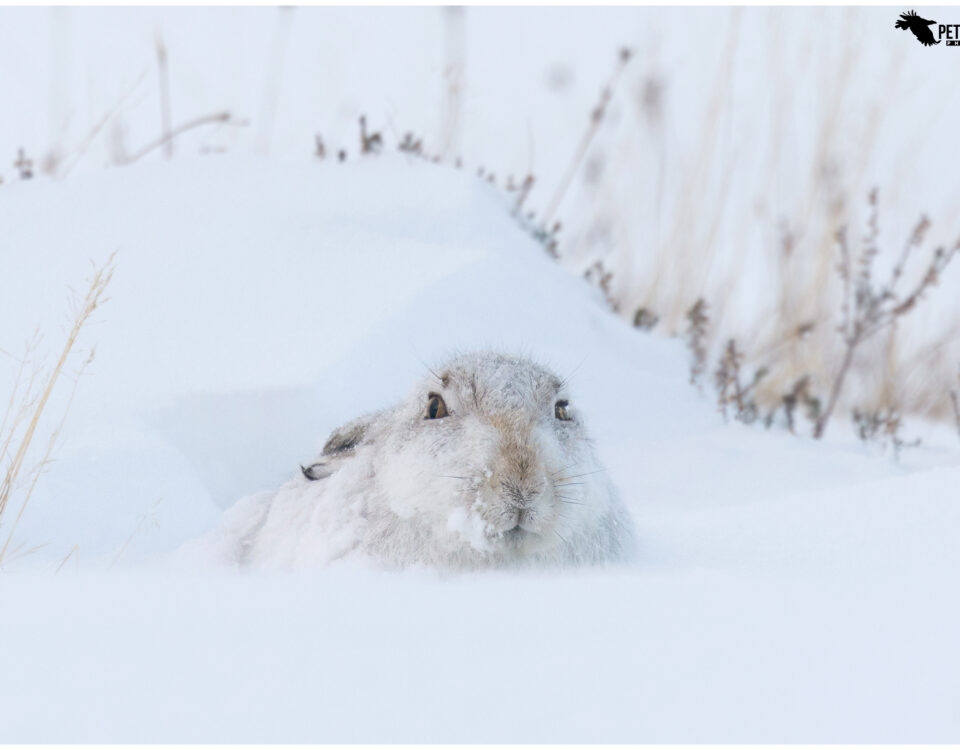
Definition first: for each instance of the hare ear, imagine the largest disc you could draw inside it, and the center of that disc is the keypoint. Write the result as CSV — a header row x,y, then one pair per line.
x,y
345,439
341,444
316,471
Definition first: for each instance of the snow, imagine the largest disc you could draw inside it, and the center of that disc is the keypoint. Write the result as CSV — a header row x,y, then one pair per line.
x,y
786,590
682,655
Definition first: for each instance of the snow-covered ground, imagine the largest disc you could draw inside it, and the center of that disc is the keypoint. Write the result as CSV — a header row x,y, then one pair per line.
x,y
786,590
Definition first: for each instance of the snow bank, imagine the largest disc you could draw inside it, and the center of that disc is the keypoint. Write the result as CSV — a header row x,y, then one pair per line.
x,y
656,656
787,590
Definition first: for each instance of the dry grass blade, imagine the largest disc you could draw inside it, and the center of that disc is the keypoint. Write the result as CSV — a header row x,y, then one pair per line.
x,y
74,553
85,144
596,119
21,551
149,515
955,400
21,400
90,303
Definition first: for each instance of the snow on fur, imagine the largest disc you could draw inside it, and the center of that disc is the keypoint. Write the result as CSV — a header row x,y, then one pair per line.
x,y
506,476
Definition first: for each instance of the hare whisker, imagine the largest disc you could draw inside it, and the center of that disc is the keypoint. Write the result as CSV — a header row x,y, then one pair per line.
x,y
566,379
585,474
559,471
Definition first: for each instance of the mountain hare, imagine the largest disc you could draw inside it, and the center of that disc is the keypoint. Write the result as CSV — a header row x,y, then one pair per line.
x,y
486,463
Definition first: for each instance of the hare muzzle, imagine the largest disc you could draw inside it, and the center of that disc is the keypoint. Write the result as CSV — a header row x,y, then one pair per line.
x,y
519,480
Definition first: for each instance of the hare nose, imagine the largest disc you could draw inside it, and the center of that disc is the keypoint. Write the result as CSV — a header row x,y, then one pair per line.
x,y
518,495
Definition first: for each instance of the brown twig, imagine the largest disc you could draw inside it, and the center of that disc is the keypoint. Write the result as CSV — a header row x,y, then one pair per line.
x,y
866,310
697,321
370,143
522,193
24,165
729,388
218,117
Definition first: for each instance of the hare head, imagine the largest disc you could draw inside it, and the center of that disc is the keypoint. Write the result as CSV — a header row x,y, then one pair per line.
x,y
487,461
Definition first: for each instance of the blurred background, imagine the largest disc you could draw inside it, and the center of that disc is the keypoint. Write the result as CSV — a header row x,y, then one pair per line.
x,y
686,154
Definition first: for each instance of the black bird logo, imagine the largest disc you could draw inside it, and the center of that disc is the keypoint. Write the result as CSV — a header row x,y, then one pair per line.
x,y
919,26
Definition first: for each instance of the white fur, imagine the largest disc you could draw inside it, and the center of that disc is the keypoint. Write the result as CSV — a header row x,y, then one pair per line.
x,y
501,481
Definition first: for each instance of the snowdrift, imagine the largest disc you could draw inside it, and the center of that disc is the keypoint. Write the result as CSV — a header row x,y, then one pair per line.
x,y
786,590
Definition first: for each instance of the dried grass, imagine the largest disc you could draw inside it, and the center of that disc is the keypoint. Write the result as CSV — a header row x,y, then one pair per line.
x,y
883,368
26,409
593,127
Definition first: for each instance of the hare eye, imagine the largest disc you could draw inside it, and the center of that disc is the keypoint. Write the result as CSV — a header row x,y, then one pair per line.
x,y
561,411
436,408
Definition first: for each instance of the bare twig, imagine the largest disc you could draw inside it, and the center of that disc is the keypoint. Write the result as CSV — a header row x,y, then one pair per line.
x,y
411,145
729,388
800,393
882,426
697,339
24,165
218,117
645,319
370,143
522,193
867,309
598,275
